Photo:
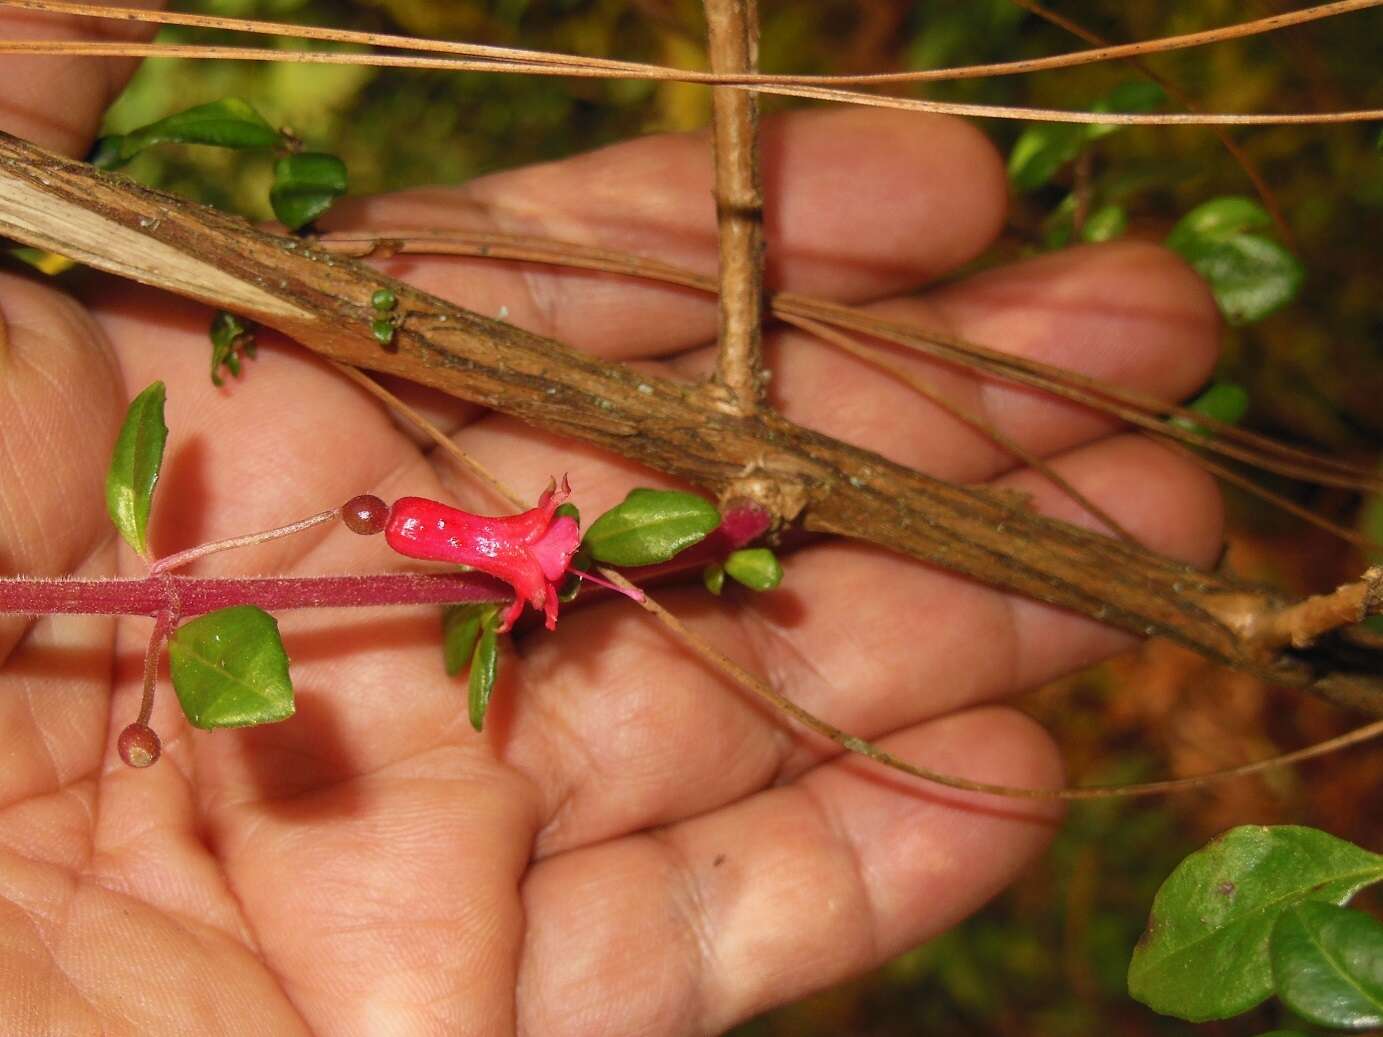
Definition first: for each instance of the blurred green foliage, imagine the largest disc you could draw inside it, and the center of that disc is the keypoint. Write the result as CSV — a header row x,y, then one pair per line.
x,y
1047,958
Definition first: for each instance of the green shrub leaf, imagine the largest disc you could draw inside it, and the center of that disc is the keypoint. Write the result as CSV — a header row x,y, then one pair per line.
x,y
230,670
1218,218
1205,952
305,186
1041,151
230,338
1105,224
1328,965
1134,95
484,669
461,626
1224,401
1250,275
135,465
649,527
713,576
227,123
755,567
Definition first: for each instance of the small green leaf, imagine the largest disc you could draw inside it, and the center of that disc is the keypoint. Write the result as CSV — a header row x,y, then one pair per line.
x,y
135,465
1224,401
1105,224
1218,218
1328,965
230,337
1135,95
484,667
305,186
382,328
1041,151
384,300
755,567
1205,953
460,628
227,123
1251,276
105,153
713,576
650,526
230,670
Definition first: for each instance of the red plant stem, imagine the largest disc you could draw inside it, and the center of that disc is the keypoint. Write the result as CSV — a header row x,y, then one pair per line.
x,y
163,622
175,561
191,596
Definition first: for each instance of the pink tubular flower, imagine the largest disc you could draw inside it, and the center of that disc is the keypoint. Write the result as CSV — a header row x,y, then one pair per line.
x,y
531,551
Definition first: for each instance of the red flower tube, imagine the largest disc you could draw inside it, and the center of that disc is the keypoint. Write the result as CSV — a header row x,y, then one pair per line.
x,y
531,551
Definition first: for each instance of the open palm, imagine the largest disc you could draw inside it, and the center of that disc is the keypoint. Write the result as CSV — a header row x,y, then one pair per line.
x,y
631,846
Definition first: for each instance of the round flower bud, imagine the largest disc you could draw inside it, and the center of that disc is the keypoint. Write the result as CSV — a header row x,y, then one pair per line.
x,y
139,745
365,514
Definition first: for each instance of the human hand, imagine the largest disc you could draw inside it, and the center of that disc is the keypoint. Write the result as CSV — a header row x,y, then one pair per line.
x,y
631,846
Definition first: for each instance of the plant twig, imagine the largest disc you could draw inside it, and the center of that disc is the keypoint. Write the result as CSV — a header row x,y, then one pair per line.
x,y
1006,443
780,703
163,623
324,301
734,44
1125,404
1300,625
175,561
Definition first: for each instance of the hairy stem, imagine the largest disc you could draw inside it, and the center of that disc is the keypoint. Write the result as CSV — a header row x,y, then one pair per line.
x,y
193,596
176,561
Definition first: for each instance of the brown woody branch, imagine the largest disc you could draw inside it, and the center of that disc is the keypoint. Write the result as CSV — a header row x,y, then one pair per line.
x,y
733,28
323,300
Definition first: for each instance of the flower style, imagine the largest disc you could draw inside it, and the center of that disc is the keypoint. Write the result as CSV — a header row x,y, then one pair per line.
x,y
530,551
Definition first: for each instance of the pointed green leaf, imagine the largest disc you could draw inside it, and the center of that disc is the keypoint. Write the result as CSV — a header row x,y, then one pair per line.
x,y
305,186
1205,952
1224,401
227,123
484,668
713,576
460,628
755,567
1328,965
1218,218
1135,95
649,527
230,337
1041,151
1105,224
230,670
1251,276
105,153
135,465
